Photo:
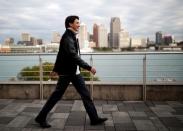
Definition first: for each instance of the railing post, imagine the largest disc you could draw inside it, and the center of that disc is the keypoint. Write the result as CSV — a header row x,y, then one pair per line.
x,y
144,78
91,78
41,77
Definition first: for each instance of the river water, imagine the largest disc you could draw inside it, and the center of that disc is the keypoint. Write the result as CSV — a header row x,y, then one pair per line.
x,y
110,67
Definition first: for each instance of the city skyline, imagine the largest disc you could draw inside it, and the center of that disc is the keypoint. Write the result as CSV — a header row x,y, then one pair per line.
x,y
140,19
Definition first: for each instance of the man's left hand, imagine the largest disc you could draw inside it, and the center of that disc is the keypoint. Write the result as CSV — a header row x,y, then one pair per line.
x,y
93,70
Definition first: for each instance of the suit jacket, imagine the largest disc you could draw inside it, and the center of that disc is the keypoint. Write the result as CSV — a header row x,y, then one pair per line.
x,y
67,57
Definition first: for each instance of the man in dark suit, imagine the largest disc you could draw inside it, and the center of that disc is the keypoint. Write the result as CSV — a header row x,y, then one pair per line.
x,y
66,67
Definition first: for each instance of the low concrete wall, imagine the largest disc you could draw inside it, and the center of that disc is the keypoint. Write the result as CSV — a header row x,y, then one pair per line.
x,y
19,90
164,92
102,91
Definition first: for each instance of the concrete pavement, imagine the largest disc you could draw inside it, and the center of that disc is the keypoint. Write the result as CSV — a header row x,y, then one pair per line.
x,y
18,115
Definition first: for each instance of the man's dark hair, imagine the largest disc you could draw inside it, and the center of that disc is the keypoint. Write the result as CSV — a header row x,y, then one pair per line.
x,y
70,19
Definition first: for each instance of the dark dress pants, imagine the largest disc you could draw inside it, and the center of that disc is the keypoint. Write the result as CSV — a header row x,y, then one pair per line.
x,y
62,84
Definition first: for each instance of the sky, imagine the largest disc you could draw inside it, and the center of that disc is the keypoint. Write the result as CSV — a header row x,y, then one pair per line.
x,y
141,18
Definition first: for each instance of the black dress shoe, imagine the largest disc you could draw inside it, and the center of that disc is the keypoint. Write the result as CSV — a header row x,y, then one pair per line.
x,y
43,124
98,121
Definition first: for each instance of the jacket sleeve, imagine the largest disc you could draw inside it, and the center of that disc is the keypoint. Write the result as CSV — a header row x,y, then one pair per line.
x,y
55,67
72,53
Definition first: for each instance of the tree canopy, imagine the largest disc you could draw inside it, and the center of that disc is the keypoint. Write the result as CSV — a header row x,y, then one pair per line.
x,y
33,73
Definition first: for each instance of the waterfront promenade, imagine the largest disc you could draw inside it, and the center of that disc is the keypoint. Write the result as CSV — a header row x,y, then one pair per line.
x,y
70,115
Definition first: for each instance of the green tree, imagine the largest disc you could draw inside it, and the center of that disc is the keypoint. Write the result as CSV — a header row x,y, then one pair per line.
x,y
32,73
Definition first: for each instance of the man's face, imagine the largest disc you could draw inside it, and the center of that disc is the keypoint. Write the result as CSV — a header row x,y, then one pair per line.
x,y
75,25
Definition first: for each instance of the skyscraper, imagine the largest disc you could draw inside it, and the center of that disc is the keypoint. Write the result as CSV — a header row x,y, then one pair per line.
x,y
115,27
168,39
124,39
33,40
83,35
25,37
56,37
39,41
102,36
95,34
159,38
9,41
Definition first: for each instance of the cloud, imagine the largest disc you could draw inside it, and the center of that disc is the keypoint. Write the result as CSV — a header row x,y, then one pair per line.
x,y
41,17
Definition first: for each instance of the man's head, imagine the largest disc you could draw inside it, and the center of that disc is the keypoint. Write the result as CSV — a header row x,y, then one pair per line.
x,y
72,22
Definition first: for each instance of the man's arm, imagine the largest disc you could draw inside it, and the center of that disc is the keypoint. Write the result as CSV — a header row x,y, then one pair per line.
x,y
72,53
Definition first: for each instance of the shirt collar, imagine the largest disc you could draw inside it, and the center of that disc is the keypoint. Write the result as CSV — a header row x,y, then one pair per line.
x,y
75,32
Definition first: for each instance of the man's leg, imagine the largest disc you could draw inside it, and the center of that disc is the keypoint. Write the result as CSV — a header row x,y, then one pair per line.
x,y
61,86
80,86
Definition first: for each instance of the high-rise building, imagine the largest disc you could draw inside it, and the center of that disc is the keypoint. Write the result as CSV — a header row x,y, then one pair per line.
x,y
168,39
95,34
25,37
124,39
9,41
56,37
136,42
39,41
33,40
144,42
90,37
83,35
159,38
115,27
102,36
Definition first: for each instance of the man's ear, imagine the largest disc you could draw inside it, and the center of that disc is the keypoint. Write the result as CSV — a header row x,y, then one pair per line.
x,y
70,24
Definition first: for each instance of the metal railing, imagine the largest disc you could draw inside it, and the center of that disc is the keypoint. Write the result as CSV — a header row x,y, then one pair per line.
x,y
127,67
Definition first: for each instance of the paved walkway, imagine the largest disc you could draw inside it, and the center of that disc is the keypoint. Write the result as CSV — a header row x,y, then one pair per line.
x,y
18,115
